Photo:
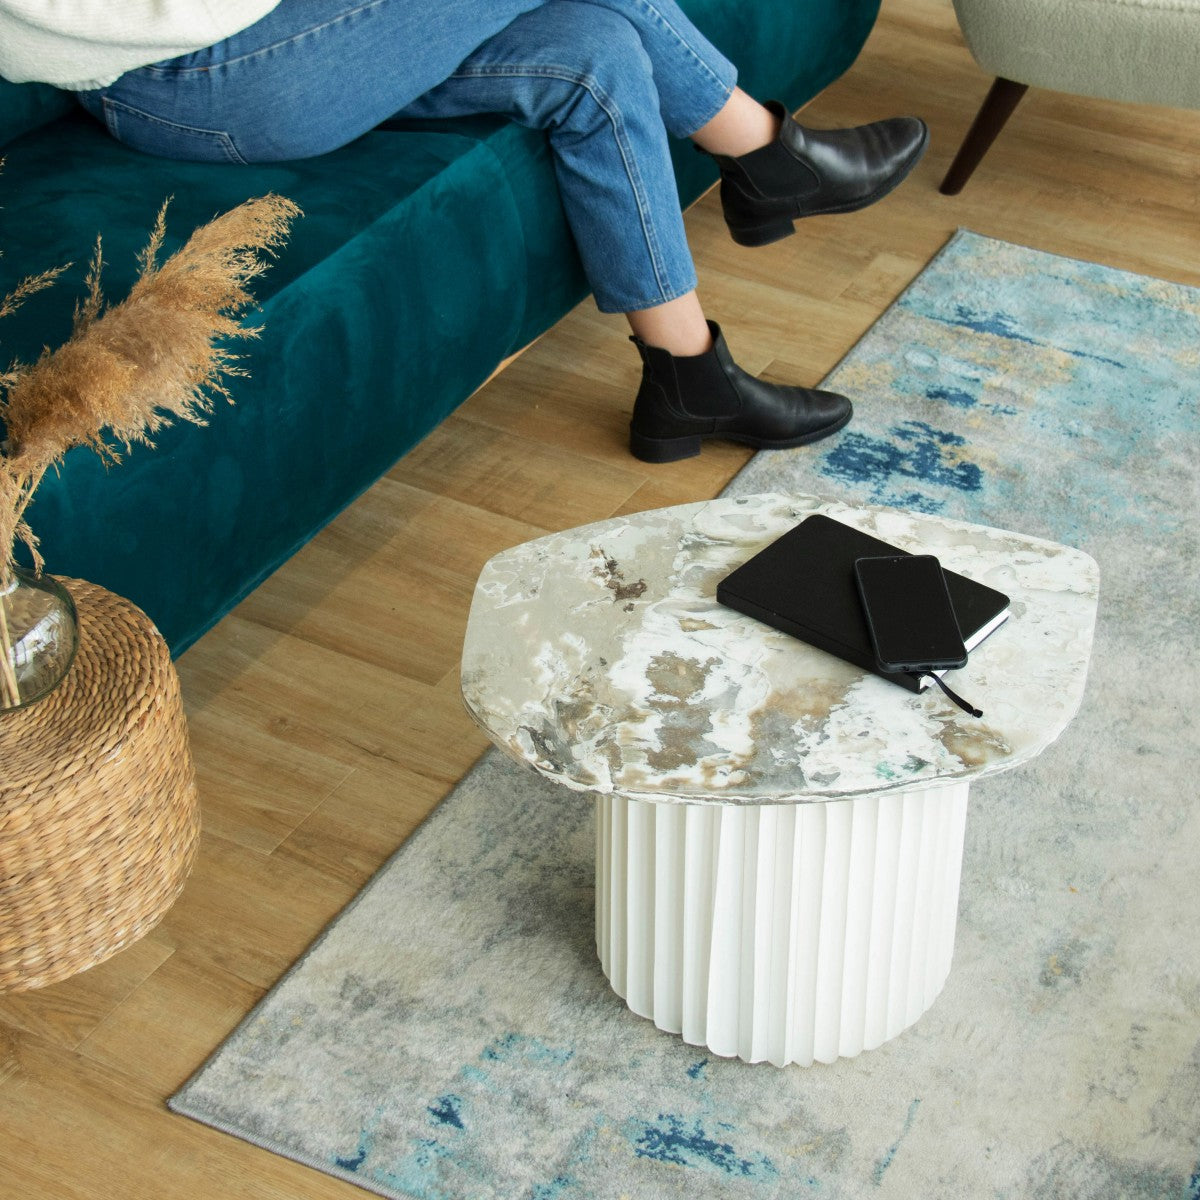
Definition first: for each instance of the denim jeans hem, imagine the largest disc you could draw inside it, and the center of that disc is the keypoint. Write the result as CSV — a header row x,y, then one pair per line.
x,y
717,109
608,304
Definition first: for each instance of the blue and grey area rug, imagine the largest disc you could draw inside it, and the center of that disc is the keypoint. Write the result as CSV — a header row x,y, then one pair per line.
x,y
451,1035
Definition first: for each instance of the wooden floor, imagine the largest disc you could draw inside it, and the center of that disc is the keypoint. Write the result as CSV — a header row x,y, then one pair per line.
x,y
325,713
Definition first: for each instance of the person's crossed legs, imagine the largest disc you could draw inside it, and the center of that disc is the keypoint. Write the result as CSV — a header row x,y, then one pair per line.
x,y
608,80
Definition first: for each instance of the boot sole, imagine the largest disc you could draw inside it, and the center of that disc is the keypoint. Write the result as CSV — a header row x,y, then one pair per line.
x,y
776,229
665,450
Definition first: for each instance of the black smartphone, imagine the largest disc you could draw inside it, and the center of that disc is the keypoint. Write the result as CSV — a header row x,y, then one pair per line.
x,y
909,615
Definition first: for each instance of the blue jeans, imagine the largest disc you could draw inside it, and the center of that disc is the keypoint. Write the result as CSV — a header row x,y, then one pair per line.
x,y
606,79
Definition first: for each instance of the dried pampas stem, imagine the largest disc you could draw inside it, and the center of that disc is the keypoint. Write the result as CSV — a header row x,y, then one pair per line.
x,y
10,692
26,288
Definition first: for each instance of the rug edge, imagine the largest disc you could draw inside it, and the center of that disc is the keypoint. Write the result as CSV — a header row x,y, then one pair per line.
x,y
961,234
175,1105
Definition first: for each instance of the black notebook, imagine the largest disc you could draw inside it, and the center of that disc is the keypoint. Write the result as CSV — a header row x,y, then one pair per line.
x,y
803,584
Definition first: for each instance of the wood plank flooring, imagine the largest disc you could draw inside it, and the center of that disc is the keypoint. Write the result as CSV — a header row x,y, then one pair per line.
x,y
324,711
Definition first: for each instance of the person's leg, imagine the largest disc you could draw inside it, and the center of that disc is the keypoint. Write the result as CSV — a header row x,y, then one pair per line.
x,y
807,172
741,127
532,72
696,83
678,326
580,72
686,398
773,170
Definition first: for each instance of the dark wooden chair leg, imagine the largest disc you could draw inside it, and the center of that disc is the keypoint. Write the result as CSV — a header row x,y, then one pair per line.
x,y
1004,96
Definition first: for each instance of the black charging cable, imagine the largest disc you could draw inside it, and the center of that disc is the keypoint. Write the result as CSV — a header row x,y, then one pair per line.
x,y
965,705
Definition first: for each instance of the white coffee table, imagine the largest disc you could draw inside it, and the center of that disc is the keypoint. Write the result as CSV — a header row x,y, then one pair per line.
x,y
779,834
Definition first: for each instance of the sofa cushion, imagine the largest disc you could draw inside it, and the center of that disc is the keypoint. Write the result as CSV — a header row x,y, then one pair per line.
x,y
111,190
394,299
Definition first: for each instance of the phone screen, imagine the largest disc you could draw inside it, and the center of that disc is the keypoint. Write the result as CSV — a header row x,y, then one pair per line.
x,y
909,614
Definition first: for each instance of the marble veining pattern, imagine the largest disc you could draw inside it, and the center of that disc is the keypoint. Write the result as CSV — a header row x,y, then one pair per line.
x,y
601,657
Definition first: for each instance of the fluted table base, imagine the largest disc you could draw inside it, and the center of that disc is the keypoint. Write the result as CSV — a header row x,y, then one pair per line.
x,y
784,933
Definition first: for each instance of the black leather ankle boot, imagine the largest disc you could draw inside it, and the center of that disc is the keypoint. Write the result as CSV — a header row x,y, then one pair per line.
x,y
807,172
683,400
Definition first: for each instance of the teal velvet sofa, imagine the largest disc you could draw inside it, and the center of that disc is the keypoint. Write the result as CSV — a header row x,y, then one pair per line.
x,y
426,256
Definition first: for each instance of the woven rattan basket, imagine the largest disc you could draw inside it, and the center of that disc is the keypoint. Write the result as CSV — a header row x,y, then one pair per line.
x,y
99,819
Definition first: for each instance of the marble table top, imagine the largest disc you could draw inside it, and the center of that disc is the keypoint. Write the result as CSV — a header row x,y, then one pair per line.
x,y
600,657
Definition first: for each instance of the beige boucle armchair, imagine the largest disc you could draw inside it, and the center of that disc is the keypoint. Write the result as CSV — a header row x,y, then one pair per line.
x,y
1144,51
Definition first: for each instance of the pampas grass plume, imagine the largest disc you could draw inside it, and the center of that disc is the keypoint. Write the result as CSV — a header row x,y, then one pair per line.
x,y
130,369
126,371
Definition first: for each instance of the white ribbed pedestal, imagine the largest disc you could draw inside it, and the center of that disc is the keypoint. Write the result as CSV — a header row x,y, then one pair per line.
x,y
785,933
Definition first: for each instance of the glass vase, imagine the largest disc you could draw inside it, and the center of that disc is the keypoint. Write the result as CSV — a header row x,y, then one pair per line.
x,y
39,635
